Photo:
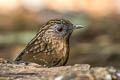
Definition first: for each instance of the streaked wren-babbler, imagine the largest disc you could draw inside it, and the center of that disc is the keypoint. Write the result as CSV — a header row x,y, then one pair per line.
x,y
50,46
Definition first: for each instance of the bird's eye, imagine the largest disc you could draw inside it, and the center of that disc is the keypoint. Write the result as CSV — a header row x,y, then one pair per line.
x,y
60,29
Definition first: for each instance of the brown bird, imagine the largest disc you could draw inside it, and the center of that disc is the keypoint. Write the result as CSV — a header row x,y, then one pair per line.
x,y
50,46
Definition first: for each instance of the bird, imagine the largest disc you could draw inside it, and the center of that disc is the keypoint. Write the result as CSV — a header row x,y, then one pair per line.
x,y
50,46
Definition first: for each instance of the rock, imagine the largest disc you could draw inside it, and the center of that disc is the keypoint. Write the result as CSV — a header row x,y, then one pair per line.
x,y
31,71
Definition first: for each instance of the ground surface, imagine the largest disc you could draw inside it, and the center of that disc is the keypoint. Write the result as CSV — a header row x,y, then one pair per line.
x,y
31,71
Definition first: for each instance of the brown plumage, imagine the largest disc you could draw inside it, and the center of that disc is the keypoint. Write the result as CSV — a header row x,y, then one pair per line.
x,y
50,46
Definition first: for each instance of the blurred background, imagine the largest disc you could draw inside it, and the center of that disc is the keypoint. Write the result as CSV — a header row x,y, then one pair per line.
x,y
97,44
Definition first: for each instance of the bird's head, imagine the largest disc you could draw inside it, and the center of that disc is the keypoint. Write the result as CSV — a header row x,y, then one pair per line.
x,y
59,29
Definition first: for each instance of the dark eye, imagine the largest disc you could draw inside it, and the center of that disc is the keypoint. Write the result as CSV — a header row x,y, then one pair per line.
x,y
60,29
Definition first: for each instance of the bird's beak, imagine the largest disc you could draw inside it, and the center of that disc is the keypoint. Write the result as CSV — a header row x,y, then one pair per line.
x,y
78,26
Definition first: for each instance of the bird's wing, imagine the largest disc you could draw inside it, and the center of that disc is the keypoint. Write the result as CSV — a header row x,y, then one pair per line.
x,y
36,45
